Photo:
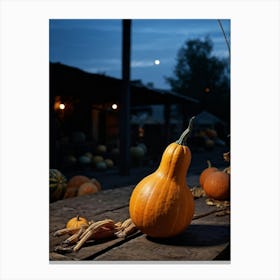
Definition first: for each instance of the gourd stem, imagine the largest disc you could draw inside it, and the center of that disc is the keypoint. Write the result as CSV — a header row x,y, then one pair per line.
x,y
186,133
209,163
78,218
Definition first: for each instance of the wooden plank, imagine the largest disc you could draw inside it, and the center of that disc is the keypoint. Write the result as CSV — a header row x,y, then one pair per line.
x,y
198,242
203,240
202,208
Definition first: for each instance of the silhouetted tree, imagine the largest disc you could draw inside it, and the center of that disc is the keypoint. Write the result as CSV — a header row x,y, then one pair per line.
x,y
201,75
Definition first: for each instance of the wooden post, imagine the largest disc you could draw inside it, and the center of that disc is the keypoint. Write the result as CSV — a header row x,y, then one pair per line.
x,y
52,134
166,124
125,99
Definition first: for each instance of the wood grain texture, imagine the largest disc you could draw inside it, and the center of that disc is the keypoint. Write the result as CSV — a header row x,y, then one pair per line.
x,y
205,239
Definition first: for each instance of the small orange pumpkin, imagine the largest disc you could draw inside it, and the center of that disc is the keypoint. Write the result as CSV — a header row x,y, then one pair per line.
x,y
87,188
97,183
73,185
162,205
217,185
206,172
70,192
77,222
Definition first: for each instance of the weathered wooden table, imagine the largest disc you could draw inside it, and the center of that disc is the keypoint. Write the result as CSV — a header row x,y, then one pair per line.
x,y
206,239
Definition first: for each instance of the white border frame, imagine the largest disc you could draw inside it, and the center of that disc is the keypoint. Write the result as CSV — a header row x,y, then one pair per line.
x,y
254,133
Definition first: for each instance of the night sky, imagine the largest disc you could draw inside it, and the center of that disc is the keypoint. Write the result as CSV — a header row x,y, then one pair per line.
x,y
95,45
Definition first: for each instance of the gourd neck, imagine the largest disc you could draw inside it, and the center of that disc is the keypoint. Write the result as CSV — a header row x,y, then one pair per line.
x,y
175,162
176,157
184,136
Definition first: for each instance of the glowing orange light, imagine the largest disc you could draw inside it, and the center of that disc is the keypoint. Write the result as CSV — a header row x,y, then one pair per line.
x,y
61,106
141,132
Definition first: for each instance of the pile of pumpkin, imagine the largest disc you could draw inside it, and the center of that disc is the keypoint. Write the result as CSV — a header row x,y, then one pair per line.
x,y
214,183
207,138
101,159
96,159
78,185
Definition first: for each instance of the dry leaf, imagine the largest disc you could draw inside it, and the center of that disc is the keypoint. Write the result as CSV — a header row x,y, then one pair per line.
x,y
63,249
197,192
209,201
227,170
227,156
217,203
223,213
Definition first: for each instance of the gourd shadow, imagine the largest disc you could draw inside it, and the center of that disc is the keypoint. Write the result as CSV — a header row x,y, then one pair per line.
x,y
198,235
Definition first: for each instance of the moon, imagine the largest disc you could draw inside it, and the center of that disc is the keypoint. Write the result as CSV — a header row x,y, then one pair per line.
x,y
157,62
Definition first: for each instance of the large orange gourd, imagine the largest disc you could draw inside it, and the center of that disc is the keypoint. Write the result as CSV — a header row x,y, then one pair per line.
x,y
161,205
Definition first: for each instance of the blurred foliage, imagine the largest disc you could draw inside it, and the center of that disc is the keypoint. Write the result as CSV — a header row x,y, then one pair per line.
x,y
203,76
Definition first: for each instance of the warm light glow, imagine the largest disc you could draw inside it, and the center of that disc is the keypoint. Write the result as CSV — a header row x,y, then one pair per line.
x,y
114,106
157,62
61,106
141,132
